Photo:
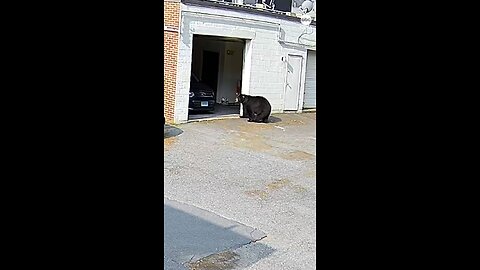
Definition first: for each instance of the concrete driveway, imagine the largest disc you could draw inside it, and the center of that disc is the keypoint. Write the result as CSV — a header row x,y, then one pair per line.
x,y
241,195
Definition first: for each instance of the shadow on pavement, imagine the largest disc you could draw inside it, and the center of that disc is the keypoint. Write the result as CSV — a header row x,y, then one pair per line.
x,y
170,131
273,119
191,234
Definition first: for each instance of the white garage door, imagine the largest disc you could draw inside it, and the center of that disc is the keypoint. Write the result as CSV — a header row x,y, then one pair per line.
x,y
310,98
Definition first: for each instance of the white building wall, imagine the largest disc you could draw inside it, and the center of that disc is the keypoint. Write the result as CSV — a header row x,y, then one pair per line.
x,y
268,53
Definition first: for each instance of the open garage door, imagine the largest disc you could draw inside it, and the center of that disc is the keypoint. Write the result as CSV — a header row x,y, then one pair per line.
x,y
310,98
216,76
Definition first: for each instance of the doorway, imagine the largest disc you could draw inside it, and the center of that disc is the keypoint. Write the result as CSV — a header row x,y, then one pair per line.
x,y
292,87
218,65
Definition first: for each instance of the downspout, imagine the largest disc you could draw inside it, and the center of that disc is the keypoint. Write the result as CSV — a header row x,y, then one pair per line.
x,y
304,46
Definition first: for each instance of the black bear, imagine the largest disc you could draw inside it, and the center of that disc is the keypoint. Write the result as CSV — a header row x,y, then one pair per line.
x,y
255,108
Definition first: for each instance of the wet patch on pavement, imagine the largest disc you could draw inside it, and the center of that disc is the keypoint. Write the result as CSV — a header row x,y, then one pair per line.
x,y
220,261
250,142
171,131
170,134
271,188
298,155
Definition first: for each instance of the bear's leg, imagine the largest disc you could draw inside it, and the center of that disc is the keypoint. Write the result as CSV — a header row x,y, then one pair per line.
x,y
265,117
259,116
255,118
250,115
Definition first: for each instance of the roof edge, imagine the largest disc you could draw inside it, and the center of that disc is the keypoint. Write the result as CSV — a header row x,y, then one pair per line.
x,y
247,9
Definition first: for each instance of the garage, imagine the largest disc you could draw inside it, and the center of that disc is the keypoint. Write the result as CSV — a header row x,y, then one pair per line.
x,y
310,97
216,76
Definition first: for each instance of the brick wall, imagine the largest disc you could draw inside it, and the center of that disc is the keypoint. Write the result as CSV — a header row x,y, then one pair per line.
x,y
171,10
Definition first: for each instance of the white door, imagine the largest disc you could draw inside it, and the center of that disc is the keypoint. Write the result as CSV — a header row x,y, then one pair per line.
x,y
310,97
292,88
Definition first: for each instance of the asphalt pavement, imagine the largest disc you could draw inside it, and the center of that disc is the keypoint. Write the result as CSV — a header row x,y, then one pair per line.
x,y
241,195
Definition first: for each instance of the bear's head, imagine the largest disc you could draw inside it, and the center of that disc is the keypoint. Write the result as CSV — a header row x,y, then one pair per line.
x,y
242,98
